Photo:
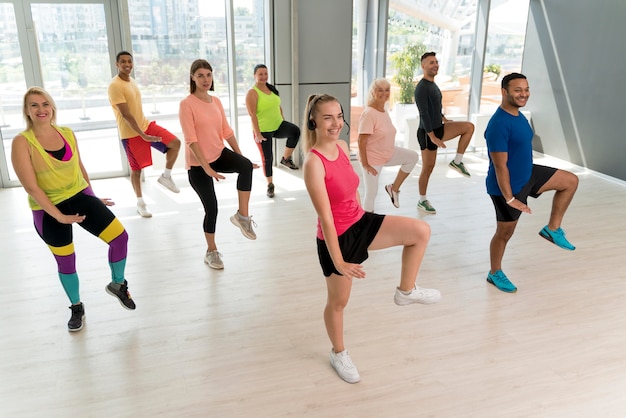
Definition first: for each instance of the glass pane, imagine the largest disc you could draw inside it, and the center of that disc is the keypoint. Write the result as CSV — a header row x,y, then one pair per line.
x,y
12,83
505,47
73,47
249,51
434,26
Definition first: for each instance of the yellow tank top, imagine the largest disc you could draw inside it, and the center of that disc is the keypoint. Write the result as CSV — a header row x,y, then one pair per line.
x,y
60,180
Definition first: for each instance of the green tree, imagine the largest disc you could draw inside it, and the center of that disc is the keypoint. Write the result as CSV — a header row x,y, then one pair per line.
x,y
406,63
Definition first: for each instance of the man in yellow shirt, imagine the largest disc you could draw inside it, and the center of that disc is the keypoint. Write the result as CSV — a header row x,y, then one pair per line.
x,y
138,133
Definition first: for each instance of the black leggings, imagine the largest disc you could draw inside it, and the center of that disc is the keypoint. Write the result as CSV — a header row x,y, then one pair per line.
x,y
202,183
285,130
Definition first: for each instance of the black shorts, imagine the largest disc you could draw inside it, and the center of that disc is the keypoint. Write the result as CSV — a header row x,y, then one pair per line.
x,y
539,176
353,243
424,140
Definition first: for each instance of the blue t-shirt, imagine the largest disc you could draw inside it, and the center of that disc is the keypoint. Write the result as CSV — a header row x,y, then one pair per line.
x,y
513,135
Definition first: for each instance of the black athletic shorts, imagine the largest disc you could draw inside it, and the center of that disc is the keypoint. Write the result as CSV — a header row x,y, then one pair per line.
x,y
539,176
424,140
353,243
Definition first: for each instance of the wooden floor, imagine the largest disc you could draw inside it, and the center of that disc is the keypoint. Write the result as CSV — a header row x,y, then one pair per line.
x,y
249,341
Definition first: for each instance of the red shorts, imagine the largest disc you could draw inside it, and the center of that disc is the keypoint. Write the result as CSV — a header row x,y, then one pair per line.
x,y
138,151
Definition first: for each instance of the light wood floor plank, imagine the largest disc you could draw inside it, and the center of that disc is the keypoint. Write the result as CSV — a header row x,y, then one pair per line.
x,y
249,341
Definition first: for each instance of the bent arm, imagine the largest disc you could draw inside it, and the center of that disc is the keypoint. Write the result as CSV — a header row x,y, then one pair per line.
x,y
130,120
23,166
499,160
251,104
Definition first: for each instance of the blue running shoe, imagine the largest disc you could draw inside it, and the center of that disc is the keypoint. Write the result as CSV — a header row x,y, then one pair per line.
x,y
557,237
499,280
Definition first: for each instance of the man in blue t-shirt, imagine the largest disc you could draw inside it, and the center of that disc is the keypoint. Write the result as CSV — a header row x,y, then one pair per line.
x,y
512,177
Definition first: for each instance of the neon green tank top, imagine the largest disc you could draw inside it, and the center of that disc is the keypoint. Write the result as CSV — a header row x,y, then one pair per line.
x,y
268,111
60,180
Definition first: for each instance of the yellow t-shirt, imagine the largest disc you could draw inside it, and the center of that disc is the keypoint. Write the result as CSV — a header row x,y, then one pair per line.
x,y
60,180
121,91
268,111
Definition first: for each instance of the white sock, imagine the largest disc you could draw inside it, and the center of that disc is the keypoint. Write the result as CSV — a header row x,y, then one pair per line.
x,y
140,201
458,158
168,172
422,198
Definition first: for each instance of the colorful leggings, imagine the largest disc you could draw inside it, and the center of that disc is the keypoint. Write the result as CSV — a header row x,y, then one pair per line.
x,y
99,221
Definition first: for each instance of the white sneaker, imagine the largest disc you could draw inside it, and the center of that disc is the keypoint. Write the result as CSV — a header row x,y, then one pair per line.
x,y
244,225
142,209
417,295
342,363
168,183
395,196
214,260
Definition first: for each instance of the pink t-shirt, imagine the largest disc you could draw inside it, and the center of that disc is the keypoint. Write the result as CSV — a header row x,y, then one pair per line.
x,y
382,135
342,183
206,124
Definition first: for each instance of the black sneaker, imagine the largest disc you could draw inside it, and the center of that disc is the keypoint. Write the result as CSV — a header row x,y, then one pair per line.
x,y
270,190
288,162
121,294
76,321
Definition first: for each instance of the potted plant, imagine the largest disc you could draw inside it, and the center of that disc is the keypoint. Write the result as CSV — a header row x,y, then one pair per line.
x,y
406,62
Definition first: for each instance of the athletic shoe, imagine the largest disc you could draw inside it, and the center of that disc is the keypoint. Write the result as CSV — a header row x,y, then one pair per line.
x,y
142,209
557,237
395,196
288,162
76,320
342,363
121,294
168,183
245,225
426,207
417,295
460,167
214,260
499,280
270,190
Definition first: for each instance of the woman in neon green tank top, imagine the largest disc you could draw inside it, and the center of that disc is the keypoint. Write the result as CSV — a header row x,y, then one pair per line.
x,y
263,104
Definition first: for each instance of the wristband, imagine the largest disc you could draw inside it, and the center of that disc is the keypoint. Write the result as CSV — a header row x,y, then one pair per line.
x,y
509,201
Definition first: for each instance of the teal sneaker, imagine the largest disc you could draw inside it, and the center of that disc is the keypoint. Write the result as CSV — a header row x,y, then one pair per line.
x,y
460,167
556,237
499,280
426,207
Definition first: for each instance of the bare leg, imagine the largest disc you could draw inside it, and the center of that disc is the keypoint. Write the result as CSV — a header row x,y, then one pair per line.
x,y
288,153
565,184
400,177
504,232
339,288
172,153
429,157
210,241
454,129
135,181
244,200
411,233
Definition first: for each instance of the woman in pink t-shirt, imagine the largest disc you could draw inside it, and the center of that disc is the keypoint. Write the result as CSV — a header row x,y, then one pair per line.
x,y
345,232
377,137
204,125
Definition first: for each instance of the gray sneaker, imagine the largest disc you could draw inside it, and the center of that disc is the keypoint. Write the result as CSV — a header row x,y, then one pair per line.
x,y
245,225
214,260
425,206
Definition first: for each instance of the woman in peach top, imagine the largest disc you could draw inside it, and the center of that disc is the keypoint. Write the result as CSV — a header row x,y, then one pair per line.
x,y
377,149
205,128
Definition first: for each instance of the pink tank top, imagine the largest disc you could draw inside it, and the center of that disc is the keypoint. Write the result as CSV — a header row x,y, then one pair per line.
x,y
342,183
